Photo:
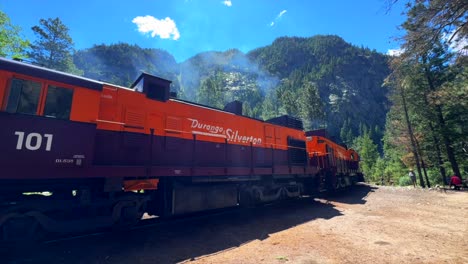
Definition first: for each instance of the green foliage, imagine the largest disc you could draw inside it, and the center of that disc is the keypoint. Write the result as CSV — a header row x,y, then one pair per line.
x,y
11,43
311,106
394,147
240,71
431,20
433,79
224,87
346,133
404,181
270,105
53,47
212,91
369,156
435,177
378,170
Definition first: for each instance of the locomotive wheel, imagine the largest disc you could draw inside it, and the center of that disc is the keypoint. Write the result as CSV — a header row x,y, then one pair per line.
x,y
22,229
246,198
130,215
342,183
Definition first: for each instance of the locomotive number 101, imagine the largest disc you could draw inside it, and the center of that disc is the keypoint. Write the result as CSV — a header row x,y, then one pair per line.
x,y
33,141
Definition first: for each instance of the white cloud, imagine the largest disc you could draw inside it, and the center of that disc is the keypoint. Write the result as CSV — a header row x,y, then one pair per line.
x,y
164,28
227,3
278,17
394,52
282,13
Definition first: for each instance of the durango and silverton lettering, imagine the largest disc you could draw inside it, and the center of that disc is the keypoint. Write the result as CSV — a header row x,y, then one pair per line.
x,y
229,133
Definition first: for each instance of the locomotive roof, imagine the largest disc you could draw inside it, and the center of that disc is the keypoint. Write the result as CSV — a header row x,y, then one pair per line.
x,y
44,73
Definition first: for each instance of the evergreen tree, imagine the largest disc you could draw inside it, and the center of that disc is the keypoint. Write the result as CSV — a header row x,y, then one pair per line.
x,y
394,146
270,105
434,66
368,154
311,106
53,47
212,91
346,133
426,71
434,21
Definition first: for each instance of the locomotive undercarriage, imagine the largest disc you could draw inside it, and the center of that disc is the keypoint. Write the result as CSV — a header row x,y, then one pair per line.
x,y
31,213
327,183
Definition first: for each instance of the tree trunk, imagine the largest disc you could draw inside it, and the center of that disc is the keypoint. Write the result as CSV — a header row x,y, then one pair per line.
x,y
437,147
443,129
439,156
448,143
410,132
422,163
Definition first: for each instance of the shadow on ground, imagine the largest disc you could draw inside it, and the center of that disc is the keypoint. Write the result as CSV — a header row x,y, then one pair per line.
x,y
188,239
355,195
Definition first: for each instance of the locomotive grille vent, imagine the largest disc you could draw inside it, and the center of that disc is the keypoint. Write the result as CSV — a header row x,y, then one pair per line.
x,y
134,118
174,124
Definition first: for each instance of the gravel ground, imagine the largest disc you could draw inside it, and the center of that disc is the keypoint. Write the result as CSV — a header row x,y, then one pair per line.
x,y
368,224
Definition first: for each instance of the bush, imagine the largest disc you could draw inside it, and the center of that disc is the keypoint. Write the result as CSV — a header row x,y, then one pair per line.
x,y
435,177
405,181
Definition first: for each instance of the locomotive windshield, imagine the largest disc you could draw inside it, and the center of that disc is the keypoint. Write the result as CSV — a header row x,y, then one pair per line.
x,y
24,97
58,102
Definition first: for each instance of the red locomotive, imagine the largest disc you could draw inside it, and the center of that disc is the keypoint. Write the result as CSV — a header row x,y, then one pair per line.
x,y
77,154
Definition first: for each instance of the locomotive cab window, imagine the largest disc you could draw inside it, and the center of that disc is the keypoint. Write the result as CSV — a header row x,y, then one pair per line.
x,y
58,102
23,97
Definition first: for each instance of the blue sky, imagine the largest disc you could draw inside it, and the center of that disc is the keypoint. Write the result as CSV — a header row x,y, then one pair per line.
x,y
187,27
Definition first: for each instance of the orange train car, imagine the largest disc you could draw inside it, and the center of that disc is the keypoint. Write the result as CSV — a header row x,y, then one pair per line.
x,y
338,165
92,147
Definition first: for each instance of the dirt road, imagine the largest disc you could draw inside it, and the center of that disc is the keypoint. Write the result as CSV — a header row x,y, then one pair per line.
x,y
365,225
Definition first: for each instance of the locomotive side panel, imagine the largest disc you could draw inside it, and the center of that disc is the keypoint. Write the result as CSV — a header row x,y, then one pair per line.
x,y
39,139
175,133
43,148
85,106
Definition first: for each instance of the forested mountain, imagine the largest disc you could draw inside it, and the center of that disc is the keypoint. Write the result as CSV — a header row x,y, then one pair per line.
x,y
122,63
348,80
323,80
217,78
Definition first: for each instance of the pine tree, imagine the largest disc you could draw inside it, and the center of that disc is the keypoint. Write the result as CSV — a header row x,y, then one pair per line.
x,y
212,91
311,106
426,70
368,153
53,47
